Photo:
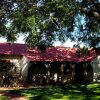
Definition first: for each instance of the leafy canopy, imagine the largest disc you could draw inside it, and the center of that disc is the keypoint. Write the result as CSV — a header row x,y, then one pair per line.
x,y
47,20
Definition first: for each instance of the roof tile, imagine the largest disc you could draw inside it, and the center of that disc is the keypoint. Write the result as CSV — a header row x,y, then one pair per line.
x,y
51,53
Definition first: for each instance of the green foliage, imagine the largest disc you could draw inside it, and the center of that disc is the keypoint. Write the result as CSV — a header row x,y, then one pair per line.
x,y
65,92
84,51
51,17
9,74
5,73
3,98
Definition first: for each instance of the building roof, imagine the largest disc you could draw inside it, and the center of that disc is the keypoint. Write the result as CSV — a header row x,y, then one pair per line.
x,y
12,49
51,53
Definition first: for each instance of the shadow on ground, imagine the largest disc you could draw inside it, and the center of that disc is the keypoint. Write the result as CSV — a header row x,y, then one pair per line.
x,y
65,92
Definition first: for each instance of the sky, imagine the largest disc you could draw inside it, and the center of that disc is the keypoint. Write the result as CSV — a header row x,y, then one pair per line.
x,y
68,42
19,40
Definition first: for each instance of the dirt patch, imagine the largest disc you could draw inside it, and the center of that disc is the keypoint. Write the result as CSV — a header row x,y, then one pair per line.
x,y
12,96
14,88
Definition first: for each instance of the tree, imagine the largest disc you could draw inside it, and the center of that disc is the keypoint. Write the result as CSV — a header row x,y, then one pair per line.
x,y
78,20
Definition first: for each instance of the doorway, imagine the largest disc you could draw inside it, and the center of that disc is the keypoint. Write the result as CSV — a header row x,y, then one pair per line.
x,y
79,73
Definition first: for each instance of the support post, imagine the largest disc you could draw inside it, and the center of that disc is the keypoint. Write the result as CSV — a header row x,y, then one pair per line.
x,y
48,66
62,71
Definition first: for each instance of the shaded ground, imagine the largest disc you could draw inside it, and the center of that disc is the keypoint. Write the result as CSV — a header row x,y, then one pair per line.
x,y
65,92
10,96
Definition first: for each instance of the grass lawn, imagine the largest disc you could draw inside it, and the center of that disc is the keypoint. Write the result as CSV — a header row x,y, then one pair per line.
x,y
3,98
66,92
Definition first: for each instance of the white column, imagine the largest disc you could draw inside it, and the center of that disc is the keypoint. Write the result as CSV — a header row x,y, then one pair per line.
x,y
24,66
